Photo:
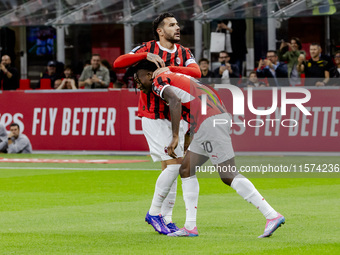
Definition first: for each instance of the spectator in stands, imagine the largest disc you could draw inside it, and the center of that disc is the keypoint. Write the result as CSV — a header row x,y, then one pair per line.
x,y
316,69
69,81
18,143
226,70
335,70
204,66
253,81
94,76
276,72
9,76
206,75
291,57
3,139
113,76
50,73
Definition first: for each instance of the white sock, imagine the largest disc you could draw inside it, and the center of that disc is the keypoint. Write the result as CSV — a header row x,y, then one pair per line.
x,y
163,185
168,203
190,188
248,191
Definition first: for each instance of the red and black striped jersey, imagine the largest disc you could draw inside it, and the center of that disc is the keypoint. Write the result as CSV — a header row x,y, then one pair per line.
x,y
150,106
190,91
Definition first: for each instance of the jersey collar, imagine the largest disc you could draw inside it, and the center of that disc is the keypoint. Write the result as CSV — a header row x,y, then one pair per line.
x,y
165,49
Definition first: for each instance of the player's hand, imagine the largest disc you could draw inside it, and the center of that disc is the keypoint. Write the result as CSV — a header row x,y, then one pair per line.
x,y
172,146
10,135
159,71
155,59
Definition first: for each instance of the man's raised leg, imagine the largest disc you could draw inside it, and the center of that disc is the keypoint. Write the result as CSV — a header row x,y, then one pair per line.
x,y
247,190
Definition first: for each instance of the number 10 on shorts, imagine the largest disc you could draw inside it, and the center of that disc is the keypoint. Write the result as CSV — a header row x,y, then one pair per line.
x,y
207,146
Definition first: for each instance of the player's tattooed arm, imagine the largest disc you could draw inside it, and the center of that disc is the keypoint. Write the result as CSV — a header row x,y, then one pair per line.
x,y
155,59
175,106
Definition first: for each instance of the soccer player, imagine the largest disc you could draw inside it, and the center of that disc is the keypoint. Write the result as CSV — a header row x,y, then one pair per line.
x,y
165,52
184,96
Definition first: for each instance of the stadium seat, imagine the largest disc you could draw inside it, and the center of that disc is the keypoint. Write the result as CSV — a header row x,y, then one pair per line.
x,y
45,84
24,84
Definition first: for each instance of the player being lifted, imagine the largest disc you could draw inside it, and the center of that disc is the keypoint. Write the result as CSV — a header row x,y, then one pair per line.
x,y
184,96
169,55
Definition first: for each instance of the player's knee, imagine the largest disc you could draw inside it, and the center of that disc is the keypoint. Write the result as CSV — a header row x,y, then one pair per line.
x,y
228,176
227,181
184,172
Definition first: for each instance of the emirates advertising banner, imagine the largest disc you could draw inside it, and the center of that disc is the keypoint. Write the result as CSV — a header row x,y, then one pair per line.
x,y
263,120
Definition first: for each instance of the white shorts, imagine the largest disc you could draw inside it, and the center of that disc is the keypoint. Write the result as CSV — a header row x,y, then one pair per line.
x,y
158,134
213,142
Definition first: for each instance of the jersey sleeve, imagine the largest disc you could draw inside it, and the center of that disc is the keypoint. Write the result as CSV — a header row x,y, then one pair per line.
x,y
135,55
190,67
159,85
129,59
190,59
192,70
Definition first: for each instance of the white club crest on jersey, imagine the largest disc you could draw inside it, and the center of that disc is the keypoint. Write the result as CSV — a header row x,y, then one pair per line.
x,y
178,60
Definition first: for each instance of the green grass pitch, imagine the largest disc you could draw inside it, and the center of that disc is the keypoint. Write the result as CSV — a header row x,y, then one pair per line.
x,y
50,208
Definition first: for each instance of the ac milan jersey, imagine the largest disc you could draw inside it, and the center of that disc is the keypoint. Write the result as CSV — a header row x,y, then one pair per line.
x,y
150,106
190,91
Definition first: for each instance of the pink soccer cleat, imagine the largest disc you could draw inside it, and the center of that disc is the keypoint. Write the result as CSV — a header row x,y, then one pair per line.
x,y
185,232
272,225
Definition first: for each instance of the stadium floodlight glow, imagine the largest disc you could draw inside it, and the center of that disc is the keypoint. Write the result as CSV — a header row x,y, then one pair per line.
x,y
238,100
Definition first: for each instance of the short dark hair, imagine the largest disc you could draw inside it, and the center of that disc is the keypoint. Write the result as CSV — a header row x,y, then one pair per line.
x,y
315,44
272,51
68,67
95,55
14,125
337,52
145,65
158,22
298,42
223,51
252,72
203,59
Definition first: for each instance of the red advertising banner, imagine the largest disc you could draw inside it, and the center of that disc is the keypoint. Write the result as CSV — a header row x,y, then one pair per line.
x,y
107,120
82,120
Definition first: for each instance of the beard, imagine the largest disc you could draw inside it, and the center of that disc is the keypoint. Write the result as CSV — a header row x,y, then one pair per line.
x,y
171,38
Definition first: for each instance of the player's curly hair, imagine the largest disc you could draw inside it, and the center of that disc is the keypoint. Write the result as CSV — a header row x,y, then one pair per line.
x,y
158,22
145,65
